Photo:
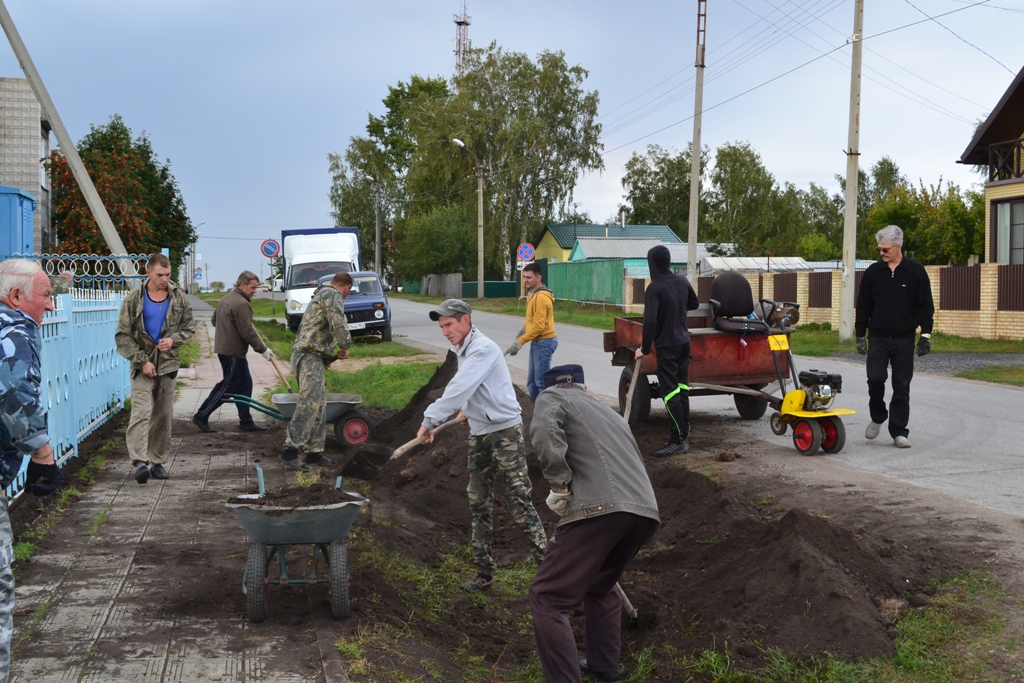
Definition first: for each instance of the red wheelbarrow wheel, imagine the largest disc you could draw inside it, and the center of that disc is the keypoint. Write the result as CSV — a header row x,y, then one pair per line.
x,y
353,428
807,436
833,434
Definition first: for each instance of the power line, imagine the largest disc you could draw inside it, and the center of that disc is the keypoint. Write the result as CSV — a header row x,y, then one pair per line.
x,y
961,38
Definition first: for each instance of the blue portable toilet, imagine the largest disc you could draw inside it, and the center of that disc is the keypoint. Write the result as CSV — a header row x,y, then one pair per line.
x,y
17,232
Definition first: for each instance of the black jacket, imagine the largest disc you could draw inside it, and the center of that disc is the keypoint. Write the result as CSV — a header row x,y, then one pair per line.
x,y
893,303
668,298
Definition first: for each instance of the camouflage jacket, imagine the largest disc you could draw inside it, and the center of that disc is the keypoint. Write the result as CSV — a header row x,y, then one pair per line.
x,y
135,344
23,423
324,325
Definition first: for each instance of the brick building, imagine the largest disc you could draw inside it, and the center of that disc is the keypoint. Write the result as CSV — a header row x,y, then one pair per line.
x,y
24,143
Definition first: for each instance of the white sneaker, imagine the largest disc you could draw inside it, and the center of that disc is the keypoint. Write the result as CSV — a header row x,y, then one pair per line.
x,y
901,442
873,430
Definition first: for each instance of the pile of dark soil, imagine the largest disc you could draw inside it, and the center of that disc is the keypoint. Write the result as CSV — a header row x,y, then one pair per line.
x,y
722,570
293,495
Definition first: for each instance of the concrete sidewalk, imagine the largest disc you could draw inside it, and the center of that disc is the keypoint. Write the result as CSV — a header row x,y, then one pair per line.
x,y
142,584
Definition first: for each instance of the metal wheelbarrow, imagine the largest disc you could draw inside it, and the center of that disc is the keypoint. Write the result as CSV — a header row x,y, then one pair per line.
x,y
272,528
352,427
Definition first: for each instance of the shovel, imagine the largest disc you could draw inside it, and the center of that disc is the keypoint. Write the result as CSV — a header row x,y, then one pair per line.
x,y
632,390
366,461
273,361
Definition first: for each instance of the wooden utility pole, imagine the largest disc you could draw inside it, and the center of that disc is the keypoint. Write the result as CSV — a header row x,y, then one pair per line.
x,y
846,302
67,146
698,106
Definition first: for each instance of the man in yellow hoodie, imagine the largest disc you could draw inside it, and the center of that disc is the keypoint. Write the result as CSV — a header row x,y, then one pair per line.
x,y
539,329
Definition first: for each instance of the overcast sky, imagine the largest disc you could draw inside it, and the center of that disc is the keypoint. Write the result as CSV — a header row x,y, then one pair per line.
x,y
247,98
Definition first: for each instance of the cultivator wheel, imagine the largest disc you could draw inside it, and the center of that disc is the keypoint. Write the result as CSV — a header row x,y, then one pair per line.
x,y
778,426
256,583
807,436
833,434
339,580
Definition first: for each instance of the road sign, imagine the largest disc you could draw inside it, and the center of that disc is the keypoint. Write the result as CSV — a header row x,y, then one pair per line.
x,y
199,275
270,248
526,252
522,264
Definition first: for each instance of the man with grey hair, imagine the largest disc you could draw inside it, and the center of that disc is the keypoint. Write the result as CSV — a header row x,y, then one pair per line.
x,y
235,333
24,300
895,299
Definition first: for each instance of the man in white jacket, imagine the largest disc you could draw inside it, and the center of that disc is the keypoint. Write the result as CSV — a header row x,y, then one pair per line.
x,y
482,390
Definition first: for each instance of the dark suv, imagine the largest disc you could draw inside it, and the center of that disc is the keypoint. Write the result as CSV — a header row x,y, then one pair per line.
x,y
366,306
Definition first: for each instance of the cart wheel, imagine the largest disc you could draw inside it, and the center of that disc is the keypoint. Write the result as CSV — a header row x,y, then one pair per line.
x,y
255,583
750,407
778,426
339,580
353,428
833,434
807,436
641,397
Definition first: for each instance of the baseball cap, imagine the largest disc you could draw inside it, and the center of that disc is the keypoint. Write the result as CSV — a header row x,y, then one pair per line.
x,y
449,308
563,374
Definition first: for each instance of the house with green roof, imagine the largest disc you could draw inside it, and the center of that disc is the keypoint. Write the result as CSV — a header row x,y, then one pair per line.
x,y
557,239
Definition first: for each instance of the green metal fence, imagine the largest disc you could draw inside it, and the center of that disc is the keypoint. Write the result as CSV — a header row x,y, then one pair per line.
x,y
493,289
590,281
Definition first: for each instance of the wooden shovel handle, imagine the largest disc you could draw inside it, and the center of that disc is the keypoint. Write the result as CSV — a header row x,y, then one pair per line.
x,y
632,389
272,361
406,447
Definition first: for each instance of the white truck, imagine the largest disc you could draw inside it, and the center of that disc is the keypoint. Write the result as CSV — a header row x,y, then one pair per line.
x,y
309,254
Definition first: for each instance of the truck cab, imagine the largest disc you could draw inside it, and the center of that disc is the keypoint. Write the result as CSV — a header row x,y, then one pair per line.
x,y
366,307
310,254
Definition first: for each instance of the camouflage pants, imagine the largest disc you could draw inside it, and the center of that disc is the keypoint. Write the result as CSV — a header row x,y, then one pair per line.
x,y
6,590
502,452
307,431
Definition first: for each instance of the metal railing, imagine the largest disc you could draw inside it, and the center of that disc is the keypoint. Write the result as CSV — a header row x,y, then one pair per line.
x,y
1004,160
91,271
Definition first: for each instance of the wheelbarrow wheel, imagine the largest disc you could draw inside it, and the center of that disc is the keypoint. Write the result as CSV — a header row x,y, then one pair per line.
x,y
353,428
833,434
807,436
778,426
255,583
641,396
339,580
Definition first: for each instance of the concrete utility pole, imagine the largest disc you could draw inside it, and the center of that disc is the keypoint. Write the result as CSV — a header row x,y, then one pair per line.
x,y
376,215
92,198
698,106
846,302
479,230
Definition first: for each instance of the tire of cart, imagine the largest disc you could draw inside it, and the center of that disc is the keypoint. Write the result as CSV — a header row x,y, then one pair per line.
x,y
641,396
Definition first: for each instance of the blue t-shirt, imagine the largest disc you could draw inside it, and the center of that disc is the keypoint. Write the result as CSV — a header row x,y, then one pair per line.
x,y
153,314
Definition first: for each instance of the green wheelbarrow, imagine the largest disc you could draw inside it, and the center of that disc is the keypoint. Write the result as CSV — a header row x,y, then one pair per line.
x,y
352,427
272,528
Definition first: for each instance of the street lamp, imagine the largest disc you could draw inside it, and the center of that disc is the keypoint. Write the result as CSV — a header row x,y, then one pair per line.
x,y
190,276
376,217
479,219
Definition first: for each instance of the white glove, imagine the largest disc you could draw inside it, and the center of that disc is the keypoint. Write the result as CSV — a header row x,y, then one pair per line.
x,y
559,502
268,354
514,349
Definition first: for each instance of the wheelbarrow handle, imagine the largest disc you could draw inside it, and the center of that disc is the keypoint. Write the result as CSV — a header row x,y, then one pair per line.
x,y
406,447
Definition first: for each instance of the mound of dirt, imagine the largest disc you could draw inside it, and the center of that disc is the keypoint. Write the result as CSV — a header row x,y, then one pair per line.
x,y
293,495
721,569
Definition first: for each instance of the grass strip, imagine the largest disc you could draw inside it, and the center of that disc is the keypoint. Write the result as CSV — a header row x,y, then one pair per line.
x,y
280,340
1001,374
818,339
598,316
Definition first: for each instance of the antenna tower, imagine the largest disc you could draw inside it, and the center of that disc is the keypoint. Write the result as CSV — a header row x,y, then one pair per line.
x,y
462,43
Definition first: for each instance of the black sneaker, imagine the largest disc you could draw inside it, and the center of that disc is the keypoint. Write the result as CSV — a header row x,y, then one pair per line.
x,y
480,583
319,460
158,472
672,448
294,461
603,677
253,428
203,424
141,472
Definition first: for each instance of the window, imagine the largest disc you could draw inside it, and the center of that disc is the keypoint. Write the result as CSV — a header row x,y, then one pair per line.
x,y
1008,232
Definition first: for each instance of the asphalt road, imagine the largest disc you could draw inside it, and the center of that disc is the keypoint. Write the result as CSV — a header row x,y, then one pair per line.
x,y
968,437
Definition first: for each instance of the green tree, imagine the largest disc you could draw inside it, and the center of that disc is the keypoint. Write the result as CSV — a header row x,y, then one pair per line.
x,y
137,189
815,246
442,241
217,286
741,200
657,189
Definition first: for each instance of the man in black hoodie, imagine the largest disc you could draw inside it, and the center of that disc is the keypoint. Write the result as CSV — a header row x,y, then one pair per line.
x,y
668,298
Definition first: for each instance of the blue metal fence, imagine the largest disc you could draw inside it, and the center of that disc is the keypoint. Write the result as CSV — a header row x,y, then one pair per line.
x,y
85,380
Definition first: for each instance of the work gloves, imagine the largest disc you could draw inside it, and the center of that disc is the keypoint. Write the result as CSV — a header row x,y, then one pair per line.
x,y
268,354
924,346
514,349
559,502
862,346
42,480
522,331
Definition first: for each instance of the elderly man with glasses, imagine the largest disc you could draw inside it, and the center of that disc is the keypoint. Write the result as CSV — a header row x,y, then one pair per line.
x,y
895,299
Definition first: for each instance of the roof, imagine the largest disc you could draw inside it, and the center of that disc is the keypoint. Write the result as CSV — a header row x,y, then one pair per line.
x,y
837,264
1006,122
680,252
613,247
775,264
566,234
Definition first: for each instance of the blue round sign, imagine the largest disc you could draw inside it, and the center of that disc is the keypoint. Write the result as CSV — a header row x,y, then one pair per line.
x,y
270,248
526,252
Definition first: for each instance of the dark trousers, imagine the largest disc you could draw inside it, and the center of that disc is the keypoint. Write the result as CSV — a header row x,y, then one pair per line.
x,y
673,380
583,561
237,380
899,353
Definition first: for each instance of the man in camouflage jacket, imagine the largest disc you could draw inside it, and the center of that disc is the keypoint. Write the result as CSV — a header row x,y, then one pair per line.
x,y
24,299
323,328
154,363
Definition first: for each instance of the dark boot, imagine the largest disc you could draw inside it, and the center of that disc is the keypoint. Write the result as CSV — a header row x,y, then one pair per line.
x,y
672,448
